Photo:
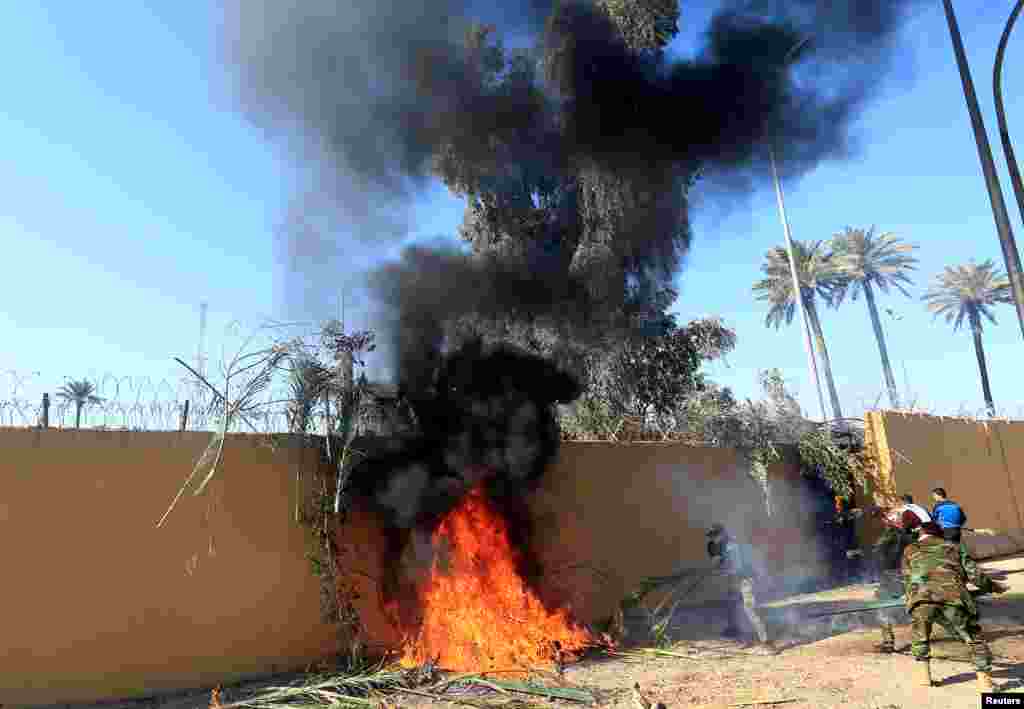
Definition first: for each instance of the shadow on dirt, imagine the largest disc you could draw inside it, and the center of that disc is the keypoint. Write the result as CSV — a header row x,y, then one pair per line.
x,y
1006,678
803,622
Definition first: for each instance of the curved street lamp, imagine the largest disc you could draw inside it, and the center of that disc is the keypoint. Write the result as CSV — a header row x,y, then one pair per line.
x,y
997,90
988,168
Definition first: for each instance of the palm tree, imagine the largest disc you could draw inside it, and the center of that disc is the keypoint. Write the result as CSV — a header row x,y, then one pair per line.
x,y
81,393
970,291
818,276
308,381
866,259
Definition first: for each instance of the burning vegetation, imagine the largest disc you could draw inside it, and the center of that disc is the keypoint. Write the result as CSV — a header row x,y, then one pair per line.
x,y
460,571
478,613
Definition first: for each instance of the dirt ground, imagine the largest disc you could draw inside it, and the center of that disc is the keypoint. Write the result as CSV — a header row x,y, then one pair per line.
x,y
823,664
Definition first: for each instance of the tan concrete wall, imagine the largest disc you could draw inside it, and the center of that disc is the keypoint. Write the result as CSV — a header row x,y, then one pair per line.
x,y
981,465
609,515
97,602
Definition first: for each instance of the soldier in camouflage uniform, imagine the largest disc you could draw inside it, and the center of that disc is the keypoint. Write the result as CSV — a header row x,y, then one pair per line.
x,y
889,553
730,557
935,577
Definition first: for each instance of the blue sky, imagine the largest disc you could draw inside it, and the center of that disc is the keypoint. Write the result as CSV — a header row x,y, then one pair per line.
x,y
133,192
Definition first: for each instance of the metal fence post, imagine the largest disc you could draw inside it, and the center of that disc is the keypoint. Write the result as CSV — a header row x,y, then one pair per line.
x,y
184,417
46,411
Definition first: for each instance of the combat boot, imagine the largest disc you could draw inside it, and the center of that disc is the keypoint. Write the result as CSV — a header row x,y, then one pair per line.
x,y
984,682
888,644
924,673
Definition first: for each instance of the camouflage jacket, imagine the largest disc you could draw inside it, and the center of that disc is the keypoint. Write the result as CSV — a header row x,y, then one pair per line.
x,y
937,571
889,551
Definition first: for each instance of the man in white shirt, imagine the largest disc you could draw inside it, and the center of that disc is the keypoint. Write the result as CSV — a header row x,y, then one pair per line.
x,y
911,515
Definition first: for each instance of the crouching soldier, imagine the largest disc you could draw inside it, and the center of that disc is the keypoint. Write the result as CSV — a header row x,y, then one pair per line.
x,y
733,560
935,577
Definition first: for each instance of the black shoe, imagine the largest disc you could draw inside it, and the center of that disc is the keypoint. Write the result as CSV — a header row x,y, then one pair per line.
x,y
731,633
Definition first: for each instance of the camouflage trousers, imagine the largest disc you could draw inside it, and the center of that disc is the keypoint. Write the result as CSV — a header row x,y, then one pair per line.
x,y
888,617
744,607
964,626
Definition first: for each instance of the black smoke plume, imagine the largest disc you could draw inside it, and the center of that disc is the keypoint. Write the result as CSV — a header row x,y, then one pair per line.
x,y
373,88
380,95
372,92
485,417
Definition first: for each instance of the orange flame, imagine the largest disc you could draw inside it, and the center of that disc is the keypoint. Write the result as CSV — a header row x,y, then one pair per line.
x,y
478,613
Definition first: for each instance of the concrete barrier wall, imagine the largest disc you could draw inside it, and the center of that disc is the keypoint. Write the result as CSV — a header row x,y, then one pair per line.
x,y
98,603
981,465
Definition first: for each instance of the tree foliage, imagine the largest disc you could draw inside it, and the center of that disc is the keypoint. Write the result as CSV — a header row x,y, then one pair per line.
x,y
649,378
864,258
841,469
655,373
647,25
81,393
968,291
818,273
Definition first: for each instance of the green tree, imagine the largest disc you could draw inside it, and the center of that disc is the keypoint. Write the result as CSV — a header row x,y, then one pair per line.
x,y
968,292
81,393
654,374
818,276
651,376
865,260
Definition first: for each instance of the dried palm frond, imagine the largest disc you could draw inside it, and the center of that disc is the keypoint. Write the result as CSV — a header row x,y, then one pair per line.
x,y
334,690
264,363
377,686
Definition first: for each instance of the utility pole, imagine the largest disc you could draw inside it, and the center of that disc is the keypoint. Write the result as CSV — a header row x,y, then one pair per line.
x,y
995,192
798,293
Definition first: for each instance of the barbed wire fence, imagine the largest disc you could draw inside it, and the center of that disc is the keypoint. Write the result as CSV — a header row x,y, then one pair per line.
x,y
174,403
133,404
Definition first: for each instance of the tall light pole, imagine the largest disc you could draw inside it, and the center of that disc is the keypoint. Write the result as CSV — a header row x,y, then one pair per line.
x,y
798,292
988,168
997,91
